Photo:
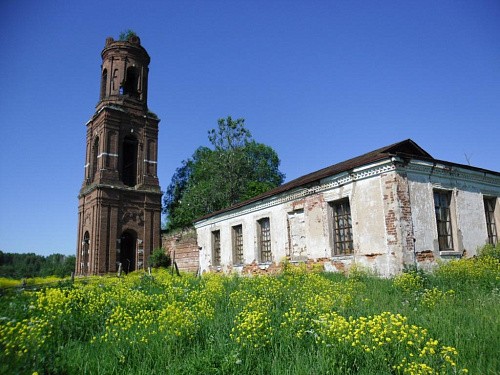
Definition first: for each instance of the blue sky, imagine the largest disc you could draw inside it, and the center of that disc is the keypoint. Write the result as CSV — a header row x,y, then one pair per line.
x,y
319,81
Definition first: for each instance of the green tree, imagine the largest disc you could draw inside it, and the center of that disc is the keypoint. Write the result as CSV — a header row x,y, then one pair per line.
x,y
235,169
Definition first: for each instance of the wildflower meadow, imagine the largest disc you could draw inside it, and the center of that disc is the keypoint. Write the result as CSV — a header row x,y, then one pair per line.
x,y
297,322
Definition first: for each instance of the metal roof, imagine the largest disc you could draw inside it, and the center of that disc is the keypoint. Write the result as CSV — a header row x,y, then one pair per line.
x,y
406,148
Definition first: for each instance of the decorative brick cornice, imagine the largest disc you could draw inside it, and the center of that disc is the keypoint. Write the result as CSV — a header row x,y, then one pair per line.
x,y
452,172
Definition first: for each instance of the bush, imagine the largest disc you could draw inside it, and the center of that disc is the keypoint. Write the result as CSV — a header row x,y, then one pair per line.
x,y
490,251
159,258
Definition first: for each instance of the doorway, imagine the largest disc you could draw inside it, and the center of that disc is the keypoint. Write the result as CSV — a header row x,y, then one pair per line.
x,y
128,246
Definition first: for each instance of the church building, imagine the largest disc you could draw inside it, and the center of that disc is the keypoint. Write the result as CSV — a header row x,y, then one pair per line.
x,y
119,210
386,210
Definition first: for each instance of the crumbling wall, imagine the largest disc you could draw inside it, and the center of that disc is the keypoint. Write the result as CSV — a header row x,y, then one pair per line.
x,y
183,249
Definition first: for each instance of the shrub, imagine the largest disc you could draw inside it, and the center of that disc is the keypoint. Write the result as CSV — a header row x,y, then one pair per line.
x,y
159,258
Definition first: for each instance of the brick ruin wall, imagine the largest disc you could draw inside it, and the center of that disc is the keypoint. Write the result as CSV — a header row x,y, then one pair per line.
x,y
183,249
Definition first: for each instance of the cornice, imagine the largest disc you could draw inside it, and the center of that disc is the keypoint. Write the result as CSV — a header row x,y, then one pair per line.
x,y
327,184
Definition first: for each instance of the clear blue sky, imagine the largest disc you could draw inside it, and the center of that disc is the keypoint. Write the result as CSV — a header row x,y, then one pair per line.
x,y
319,81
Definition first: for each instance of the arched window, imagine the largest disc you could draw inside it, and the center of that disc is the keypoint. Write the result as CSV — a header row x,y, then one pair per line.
x,y
104,81
129,161
130,87
84,260
95,155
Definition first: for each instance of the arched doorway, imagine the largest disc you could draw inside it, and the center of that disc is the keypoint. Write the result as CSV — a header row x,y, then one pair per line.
x,y
128,246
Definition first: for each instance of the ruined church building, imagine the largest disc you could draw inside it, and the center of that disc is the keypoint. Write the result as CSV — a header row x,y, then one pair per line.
x,y
386,210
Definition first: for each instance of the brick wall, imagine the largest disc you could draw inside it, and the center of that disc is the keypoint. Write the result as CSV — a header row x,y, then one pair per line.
x,y
183,248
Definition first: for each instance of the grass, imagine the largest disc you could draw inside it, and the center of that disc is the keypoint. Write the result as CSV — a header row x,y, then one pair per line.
x,y
295,323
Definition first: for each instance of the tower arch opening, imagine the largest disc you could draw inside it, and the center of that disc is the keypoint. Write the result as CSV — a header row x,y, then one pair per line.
x,y
129,161
128,247
131,80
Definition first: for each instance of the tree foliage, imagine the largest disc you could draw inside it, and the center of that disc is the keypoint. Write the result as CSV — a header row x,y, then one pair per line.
x,y
235,169
19,266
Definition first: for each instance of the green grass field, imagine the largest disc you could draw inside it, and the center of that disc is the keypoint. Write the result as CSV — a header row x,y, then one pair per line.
x,y
296,323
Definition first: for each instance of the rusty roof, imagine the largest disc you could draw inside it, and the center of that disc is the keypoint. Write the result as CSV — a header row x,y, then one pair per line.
x,y
406,148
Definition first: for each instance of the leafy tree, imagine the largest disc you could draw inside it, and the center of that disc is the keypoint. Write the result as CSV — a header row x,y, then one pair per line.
x,y
32,265
235,169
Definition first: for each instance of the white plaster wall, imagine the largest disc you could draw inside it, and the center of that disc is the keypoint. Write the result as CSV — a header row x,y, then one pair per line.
x,y
368,217
423,216
279,237
373,247
469,223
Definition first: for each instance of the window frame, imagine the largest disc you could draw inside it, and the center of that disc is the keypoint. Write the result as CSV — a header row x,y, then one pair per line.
x,y
342,239
264,240
237,242
216,248
491,222
445,228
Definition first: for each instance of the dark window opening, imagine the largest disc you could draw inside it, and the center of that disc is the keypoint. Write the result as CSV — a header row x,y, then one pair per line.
x,y
342,228
95,157
129,166
489,211
130,87
84,261
265,240
104,81
128,245
442,201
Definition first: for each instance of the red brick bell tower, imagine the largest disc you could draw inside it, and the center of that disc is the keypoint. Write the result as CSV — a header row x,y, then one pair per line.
x,y
119,211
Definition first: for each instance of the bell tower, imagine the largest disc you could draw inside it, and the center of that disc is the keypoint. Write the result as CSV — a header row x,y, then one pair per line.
x,y
119,210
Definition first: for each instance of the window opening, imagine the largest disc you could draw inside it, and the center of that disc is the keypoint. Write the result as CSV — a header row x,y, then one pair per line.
x,y
130,87
216,248
129,166
84,262
104,80
265,240
342,228
95,154
489,211
442,201
238,244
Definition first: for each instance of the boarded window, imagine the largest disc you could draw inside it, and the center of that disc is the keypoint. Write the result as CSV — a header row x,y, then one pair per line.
x,y
489,211
216,248
238,244
342,227
265,240
442,202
